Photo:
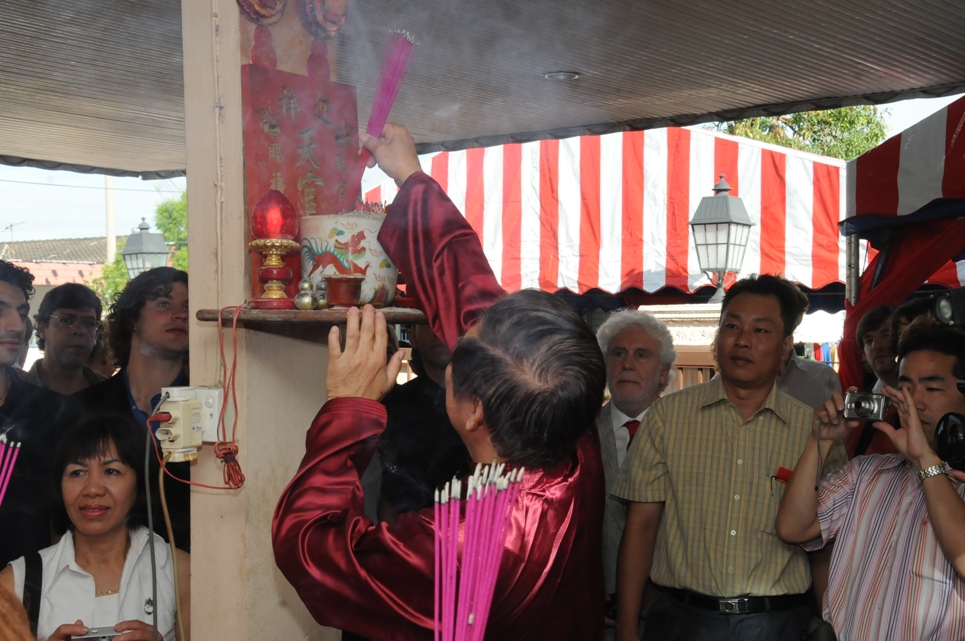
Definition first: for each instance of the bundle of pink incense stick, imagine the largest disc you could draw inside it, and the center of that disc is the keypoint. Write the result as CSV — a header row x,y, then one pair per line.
x,y
465,582
399,47
8,458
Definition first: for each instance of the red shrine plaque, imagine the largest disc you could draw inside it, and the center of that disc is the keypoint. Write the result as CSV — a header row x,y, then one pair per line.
x,y
301,138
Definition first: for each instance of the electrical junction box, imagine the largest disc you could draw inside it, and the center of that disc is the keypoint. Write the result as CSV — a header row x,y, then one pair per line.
x,y
211,399
198,408
181,436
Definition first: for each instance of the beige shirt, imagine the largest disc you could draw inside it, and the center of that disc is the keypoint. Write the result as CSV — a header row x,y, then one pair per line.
x,y
715,474
36,377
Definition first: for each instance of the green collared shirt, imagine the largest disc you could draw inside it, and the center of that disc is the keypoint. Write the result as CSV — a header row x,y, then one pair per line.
x,y
716,475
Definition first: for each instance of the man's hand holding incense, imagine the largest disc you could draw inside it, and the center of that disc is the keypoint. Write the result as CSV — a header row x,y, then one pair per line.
x,y
394,152
360,370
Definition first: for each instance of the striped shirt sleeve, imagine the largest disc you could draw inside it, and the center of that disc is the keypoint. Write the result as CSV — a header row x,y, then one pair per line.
x,y
834,500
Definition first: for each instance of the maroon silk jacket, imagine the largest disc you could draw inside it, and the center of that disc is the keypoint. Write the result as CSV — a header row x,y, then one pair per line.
x,y
377,580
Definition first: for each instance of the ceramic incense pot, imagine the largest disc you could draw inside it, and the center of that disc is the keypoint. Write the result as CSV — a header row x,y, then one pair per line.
x,y
345,244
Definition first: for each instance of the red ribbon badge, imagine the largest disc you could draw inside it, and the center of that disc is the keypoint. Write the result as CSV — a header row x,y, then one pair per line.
x,y
783,475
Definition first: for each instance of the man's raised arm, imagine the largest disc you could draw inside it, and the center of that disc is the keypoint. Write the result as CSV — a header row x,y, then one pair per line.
x,y
431,243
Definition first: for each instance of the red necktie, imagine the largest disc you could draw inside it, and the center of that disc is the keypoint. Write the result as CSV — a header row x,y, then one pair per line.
x,y
632,428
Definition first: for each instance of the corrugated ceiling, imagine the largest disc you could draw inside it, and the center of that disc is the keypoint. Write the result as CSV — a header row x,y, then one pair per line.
x,y
100,84
96,83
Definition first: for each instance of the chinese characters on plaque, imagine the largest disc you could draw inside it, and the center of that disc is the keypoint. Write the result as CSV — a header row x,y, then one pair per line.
x,y
301,138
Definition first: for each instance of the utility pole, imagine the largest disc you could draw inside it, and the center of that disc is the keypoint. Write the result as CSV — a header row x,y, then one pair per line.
x,y
109,210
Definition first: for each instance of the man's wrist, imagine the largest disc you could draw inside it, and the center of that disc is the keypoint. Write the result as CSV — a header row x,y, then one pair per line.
x,y
929,460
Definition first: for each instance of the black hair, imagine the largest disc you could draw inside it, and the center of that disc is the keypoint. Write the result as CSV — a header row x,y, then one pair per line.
x,y
788,296
126,309
91,438
538,372
949,341
872,321
18,277
66,296
908,312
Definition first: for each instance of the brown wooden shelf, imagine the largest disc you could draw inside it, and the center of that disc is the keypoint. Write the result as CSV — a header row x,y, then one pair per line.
x,y
262,317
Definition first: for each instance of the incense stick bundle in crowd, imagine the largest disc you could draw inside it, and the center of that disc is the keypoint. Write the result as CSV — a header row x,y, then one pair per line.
x,y
8,458
465,583
399,47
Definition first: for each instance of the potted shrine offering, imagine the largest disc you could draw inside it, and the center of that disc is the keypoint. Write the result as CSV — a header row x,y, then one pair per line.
x,y
345,245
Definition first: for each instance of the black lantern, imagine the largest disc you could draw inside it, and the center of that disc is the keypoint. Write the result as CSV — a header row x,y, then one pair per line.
x,y
721,228
144,250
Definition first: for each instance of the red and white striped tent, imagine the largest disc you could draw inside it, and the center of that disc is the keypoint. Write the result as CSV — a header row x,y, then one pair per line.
x,y
908,196
908,175
611,212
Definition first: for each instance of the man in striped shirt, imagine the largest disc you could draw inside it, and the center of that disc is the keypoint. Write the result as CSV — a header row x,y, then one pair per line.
x,y
898,519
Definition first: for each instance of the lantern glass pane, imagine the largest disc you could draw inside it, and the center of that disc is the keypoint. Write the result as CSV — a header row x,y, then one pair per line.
x,y
700,235
702,258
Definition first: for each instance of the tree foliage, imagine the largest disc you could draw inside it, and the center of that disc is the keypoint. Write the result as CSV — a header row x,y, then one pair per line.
x,y
171,219
113,278
843,133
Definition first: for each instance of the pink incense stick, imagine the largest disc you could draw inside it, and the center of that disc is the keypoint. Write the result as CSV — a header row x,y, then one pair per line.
x,y
11,462
503,515
454,517
468,566
399,47
462,614
439,538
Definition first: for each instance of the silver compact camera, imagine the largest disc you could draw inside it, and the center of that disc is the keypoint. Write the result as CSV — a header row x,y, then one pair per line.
x,y
865,406
100,634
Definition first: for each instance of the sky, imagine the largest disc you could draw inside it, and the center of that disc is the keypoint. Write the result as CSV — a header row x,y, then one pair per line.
x,y
37,204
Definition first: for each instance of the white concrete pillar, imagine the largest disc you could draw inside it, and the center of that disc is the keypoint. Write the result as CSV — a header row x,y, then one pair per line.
x,y
236,591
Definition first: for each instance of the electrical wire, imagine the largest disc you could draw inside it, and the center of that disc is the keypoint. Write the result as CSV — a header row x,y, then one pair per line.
x,y
97,187
225,449
150,513
174,555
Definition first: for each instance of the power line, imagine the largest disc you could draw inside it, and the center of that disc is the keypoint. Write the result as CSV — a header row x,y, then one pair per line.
x,y
26,182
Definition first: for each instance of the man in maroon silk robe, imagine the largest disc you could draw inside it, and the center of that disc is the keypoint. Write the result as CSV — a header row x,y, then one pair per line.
x,y
377,580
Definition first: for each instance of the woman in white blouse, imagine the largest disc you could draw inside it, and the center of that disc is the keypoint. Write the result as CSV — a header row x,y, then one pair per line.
x,y
99,574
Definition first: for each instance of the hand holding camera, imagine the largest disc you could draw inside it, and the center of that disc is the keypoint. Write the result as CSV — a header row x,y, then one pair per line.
x,y
910,441
831,420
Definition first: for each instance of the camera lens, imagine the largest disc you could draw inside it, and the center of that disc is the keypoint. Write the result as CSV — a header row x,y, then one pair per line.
x,y
943,310
863,408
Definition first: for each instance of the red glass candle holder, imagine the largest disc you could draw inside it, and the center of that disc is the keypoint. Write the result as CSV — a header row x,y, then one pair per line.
x,y
274,217
273,226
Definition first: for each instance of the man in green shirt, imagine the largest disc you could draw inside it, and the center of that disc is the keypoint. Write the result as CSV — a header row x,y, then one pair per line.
x,y
704,478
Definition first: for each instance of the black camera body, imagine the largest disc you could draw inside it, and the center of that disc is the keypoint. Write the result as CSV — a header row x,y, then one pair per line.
x,y
865,406
950,440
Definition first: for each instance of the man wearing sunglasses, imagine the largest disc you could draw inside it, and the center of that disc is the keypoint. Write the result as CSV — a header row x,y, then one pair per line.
x,y
67,324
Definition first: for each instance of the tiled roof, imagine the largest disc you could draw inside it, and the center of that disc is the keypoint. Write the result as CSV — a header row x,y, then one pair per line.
x,y
51,274
63,250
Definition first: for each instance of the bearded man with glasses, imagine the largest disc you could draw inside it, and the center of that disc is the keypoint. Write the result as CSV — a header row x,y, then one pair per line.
x,y
67,324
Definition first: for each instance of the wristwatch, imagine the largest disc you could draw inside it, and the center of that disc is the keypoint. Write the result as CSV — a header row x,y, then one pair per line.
x,y
929,472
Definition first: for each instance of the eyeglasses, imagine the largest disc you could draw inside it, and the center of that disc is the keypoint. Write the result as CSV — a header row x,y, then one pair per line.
x,y
69,320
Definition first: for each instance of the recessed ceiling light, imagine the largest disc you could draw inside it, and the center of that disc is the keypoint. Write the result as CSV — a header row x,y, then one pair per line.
x,y
562,75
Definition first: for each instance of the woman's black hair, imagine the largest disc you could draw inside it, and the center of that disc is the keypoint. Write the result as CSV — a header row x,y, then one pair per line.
x,y
92,437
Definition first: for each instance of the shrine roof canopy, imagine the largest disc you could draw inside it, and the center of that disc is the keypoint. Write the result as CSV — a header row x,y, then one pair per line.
x,y
100,84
